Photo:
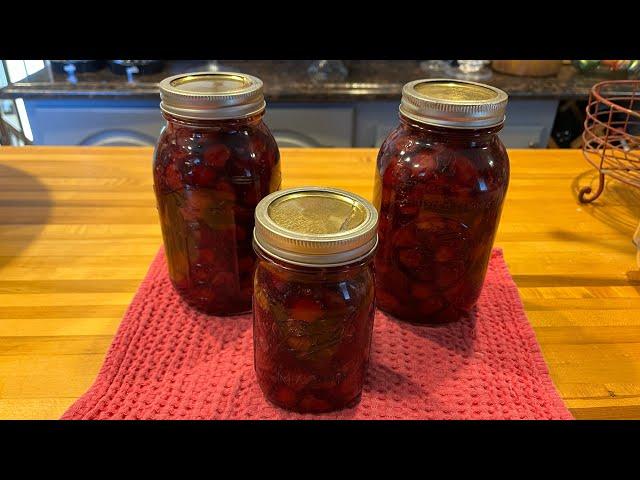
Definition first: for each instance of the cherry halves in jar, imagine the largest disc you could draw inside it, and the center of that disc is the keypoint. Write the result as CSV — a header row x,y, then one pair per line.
x,y
314,297
440,183
215,160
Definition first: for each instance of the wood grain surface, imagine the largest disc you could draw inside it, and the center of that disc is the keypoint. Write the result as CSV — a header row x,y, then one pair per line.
x,y
78,229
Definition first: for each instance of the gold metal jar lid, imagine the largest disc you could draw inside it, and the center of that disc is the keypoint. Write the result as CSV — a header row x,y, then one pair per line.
x,y
453,103
212,95
316,226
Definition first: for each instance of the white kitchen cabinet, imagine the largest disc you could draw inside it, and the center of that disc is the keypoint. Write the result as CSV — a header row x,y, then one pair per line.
x,y
311,125
88,121
529,122
94,122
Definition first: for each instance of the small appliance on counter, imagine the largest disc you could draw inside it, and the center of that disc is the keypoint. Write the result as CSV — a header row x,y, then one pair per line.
x,y
527,68
131,67
78,66
142,67
472,70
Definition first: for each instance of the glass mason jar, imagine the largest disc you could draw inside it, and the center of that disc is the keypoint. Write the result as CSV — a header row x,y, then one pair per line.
x,y
441,179
214,161
314,297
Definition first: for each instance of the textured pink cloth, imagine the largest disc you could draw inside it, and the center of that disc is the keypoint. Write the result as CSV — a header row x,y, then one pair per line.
x,y
169,362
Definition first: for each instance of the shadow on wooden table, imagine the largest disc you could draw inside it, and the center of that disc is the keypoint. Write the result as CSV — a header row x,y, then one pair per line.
x,y
618,206
25,206
594,368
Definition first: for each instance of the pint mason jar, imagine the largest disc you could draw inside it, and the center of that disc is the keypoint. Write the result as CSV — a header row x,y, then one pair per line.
x,y
314,297
214,161
440,183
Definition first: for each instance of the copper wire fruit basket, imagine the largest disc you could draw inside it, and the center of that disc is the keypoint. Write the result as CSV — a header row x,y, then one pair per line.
x,y
611,137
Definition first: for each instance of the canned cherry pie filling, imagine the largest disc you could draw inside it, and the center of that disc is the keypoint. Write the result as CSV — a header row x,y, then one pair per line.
x,y
314,297
440,183
215,160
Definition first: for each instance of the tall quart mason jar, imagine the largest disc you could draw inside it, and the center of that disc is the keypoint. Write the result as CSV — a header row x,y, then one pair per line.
x,y
214,161
440,183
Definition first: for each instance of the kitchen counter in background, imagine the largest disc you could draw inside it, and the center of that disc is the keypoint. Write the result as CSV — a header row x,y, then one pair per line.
x,y
288,81
103,108
79,228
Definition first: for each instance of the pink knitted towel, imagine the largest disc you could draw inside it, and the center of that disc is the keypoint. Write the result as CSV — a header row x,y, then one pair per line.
x,y
169,362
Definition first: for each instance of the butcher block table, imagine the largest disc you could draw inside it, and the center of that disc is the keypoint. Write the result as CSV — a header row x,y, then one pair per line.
x,y
79,227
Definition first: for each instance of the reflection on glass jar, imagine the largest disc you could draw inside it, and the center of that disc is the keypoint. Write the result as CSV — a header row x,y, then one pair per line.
x,y
314,297
440,182
214,161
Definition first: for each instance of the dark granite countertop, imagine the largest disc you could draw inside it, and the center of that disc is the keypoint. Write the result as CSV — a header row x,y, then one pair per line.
x,y
288,81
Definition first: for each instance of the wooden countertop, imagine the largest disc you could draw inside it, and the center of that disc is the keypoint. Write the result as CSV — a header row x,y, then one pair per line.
x,y
78,229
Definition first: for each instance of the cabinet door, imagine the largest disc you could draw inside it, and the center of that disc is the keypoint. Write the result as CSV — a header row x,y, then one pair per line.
x,y
92,122
374,121
311,125
119,138
529,123
525,136
292,139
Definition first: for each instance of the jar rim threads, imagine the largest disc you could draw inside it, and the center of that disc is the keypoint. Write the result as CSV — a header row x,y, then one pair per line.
x,y
212,95
316,226
453,103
